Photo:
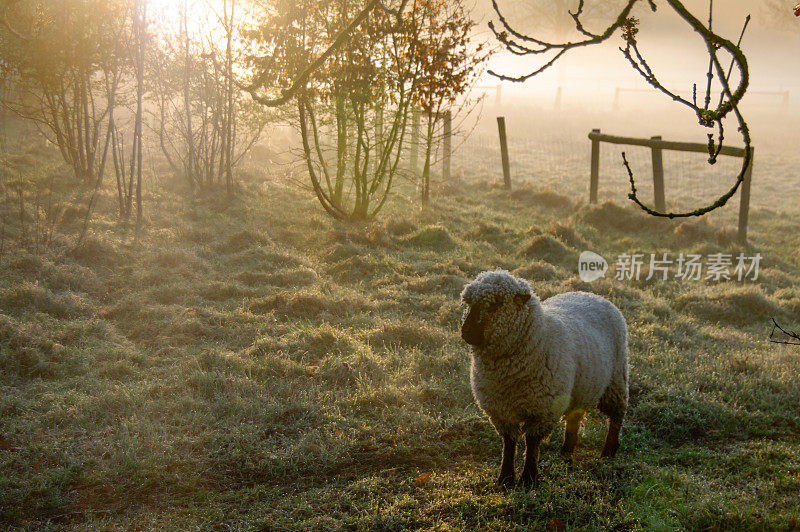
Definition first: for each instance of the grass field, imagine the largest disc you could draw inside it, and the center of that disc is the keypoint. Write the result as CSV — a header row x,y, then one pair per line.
x,y
256,365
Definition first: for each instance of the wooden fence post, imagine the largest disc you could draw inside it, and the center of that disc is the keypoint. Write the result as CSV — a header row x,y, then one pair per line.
x,y
744,203
448,132
415,139
498,95
501,127
658,175
785,102
595,168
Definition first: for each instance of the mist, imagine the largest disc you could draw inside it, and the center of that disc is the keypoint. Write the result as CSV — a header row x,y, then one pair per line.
x,y
306,265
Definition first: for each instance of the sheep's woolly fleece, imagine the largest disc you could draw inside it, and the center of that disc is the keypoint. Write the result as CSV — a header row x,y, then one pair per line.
x,y
542,360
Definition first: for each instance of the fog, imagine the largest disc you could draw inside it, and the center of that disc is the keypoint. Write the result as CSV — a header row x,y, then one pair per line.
x,y
549,115
589,76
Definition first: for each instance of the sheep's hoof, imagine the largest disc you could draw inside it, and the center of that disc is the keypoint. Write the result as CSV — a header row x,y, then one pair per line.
x,y
506,481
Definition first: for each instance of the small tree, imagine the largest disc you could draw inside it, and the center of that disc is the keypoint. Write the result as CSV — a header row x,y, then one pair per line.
x,y
128,175
204,126
61,64
362,91
360,69
446,64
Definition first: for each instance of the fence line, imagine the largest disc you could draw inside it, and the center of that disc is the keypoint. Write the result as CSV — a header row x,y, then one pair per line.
x,y
657,146
498,92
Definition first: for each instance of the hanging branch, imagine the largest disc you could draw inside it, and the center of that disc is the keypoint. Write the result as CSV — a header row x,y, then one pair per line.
x,y
794,337
520,44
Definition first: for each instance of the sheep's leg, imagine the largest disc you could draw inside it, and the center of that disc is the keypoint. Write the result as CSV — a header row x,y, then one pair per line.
x,y
614,404
530,471
574,420
612,439
506,478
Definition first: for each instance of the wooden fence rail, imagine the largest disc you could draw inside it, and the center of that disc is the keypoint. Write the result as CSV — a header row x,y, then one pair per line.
x,y
657,146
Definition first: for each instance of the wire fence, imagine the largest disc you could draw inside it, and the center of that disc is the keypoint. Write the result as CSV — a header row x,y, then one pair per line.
x,y
561,160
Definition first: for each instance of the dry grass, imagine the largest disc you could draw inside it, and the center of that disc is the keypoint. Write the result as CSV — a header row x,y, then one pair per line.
x,y
274,370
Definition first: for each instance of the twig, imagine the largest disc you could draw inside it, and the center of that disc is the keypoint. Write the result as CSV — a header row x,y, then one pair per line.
x,y
791,334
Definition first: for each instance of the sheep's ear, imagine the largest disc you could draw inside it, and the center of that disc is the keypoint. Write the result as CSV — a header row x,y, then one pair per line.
x,y
522,298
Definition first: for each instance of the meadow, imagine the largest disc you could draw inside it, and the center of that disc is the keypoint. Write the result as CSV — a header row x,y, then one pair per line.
x,y
254,364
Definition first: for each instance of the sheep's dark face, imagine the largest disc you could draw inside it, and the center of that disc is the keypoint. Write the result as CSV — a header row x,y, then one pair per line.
x,y
483,316
476,318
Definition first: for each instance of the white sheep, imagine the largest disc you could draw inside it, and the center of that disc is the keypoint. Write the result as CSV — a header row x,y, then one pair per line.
x,y
535,362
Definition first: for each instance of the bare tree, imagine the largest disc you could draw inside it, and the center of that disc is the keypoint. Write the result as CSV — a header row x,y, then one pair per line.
x,y
552,18
205,125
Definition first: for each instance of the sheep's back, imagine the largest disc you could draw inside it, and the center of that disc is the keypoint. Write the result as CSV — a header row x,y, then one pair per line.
x,y
592,331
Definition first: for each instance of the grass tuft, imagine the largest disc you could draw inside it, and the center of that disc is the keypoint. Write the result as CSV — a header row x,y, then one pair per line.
x,y
307,304
544,198
625,219
242,240
408,334
547,248
434,237
728,303
32,297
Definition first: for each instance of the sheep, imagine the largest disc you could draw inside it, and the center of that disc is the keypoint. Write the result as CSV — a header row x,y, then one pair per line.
x,y
534,362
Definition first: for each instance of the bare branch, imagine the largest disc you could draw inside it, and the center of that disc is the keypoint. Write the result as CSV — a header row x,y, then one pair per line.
x,y
794,337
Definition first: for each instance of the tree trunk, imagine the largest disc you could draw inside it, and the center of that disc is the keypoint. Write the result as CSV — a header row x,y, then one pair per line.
x,y
187,104
141,27
341,148
229,132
